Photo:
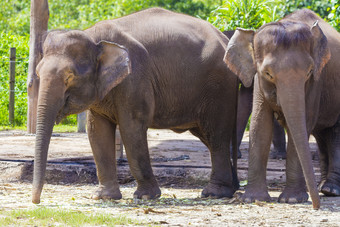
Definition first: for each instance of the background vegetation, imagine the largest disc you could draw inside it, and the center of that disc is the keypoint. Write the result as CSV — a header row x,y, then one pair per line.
x,y
252,14
80,14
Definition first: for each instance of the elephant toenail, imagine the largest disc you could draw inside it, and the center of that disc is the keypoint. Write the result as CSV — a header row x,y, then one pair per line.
x,y
145,197
292,200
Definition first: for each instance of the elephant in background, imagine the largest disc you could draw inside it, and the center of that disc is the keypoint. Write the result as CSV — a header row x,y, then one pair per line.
x,y
296,66
151,69
244,106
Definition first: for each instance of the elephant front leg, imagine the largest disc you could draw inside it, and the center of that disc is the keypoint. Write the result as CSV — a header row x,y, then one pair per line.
x,y
295,190
261,127
101,134
134,136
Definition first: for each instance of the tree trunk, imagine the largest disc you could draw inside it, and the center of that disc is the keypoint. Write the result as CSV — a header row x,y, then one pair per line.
x,y
39,24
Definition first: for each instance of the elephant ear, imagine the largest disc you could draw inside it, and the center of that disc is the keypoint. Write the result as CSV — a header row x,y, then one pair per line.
x,y
321,51
113,66
240,55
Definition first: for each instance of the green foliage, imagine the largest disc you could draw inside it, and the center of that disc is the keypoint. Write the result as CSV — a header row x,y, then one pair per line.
x,y
249,14
81,14
8,40
320,7
329,10
334,15
49,217
15,16
252,14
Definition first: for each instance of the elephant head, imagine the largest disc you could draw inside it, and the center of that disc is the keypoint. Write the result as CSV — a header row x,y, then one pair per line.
x,y
286,57
75,72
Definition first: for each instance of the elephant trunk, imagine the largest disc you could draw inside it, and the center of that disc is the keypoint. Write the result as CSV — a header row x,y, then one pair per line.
x,y
292,101
48,108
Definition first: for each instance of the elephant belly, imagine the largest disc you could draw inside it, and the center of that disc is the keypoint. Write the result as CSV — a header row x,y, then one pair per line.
x,y
178,124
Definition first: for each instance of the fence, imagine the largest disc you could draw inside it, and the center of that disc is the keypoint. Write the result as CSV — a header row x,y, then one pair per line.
x,y
11,92
12,58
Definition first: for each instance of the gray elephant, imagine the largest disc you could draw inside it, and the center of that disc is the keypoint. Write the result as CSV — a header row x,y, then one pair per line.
x,y
296,62
151,69
244,106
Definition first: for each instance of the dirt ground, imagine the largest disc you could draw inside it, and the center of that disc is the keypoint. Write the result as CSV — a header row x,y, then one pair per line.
x,y
181,164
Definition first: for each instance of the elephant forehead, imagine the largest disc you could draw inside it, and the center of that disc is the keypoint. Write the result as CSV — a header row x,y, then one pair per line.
x,y
283,35
285,60
74,44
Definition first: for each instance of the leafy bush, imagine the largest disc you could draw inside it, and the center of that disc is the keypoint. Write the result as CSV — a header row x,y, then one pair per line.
x,y
9,40
320,7
250,14
334,15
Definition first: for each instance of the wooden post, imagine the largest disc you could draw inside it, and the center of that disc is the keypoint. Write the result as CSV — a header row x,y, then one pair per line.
x,y
81,122
39,24
12,58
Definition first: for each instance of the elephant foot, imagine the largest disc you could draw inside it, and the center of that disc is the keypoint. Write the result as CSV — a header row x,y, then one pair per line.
x,y
147,192
107,193
253,195
290,195
217,191
330,189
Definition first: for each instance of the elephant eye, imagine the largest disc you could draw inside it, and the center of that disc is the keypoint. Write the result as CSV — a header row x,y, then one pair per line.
x,y
270,77
69,78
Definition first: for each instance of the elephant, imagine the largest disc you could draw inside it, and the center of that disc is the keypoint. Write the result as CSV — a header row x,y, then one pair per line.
x,y
150,69
244,106
294,64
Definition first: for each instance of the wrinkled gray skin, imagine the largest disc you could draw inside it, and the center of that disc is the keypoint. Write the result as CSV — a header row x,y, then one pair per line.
x,y
154,68
245,103
296,62
244,106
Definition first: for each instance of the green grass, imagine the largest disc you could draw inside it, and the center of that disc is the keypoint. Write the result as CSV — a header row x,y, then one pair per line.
x,y
7,128
53,217
57,128
65,128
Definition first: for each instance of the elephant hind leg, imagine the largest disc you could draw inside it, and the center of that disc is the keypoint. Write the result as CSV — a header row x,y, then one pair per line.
x,y
323,157
279,142
223,179
331,137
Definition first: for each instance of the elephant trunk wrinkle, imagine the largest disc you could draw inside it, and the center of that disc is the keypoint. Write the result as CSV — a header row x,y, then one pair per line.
x,y
45,122
293,106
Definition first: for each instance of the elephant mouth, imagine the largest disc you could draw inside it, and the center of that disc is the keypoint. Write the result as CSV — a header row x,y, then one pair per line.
x,y
59,117
66,111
